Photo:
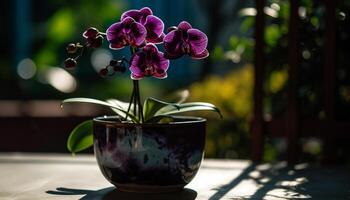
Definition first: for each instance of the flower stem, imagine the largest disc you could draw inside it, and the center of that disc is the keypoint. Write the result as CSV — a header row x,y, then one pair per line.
x,y
130,102
136,97
138,101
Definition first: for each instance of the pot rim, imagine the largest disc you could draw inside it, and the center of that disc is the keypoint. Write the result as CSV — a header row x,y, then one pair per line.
x,y
188,120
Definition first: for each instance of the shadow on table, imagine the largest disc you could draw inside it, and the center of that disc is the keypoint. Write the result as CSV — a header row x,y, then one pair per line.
x,y
111,193
279,181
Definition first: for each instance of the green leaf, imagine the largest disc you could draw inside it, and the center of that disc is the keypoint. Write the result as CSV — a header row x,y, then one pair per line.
x,y
119,108
152,105
186,107
123,105
81,137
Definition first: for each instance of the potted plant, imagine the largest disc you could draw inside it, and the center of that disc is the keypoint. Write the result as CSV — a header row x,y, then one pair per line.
x,y
145,147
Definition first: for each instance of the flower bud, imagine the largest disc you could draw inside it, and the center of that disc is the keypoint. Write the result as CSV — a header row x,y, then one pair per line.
x,y
71,48
119,68
103,72
96,42
70,63
90,33
113,63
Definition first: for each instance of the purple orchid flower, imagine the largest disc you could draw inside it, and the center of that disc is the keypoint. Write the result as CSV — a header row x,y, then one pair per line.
x,y
149,62
183,40
126,32
153,24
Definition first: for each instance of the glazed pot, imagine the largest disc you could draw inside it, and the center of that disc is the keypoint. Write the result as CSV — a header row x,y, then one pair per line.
x,y
149,157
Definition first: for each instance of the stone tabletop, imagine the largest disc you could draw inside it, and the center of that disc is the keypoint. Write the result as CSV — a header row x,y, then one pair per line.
x,y
62,176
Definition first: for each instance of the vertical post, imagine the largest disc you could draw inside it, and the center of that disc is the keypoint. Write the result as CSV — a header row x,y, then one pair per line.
x,y
292,128
329,80
22,24
259,61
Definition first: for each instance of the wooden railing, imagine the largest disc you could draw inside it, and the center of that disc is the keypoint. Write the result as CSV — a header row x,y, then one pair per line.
x,y
41,126
291,125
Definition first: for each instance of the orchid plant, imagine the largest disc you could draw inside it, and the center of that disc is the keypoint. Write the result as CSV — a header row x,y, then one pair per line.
x,y
141,31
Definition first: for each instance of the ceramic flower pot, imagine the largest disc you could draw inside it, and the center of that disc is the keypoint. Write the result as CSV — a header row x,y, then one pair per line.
x,y
149,157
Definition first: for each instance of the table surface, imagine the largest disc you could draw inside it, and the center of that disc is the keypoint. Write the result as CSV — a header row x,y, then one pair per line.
x,y
54,176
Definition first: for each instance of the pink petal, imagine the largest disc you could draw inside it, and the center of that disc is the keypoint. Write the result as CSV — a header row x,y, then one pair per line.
x,y
116,46
135,77
184,26
197,40
115,36
138,33
136,63
161,63
150,48
146,11
157,40
160,75
135,14
154,25
202,55
173,43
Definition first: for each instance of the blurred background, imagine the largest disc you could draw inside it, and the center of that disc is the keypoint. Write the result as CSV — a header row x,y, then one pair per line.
x,y
34,35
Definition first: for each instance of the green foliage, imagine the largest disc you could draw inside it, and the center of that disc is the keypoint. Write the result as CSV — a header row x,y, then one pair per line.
x,y
155,111
81,137
187,107
153,108
117,108
61,26
232,93
217,53
272,33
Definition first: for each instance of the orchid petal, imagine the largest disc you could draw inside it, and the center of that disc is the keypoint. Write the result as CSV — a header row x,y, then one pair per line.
x,y
154,25
146,11
202,55
138,33
149,62
184,26
197,40
173,42
160,62
136,64
157,40
137,15
115,36
160,75
150,49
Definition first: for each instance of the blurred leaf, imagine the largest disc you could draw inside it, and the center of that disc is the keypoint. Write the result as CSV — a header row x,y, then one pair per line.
x,y
278,80
217,53
272,34
247,24
234,42
45,57
284,10
232,93
81,137
61,27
